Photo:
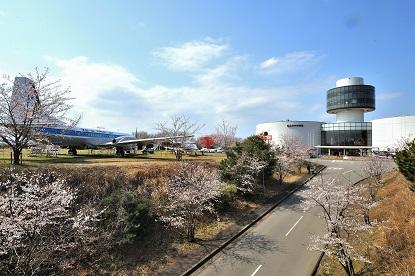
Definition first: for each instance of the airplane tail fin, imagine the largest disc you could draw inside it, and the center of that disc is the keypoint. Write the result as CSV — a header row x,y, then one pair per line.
x,y
24,98
24,92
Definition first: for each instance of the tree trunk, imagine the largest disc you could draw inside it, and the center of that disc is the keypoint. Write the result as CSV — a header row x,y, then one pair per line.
x,y
371,190
366,217
191,233
348,265
178,155
16,156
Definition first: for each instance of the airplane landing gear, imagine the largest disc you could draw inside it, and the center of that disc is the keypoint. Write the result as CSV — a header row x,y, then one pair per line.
x,y
120,152
178,154
72,151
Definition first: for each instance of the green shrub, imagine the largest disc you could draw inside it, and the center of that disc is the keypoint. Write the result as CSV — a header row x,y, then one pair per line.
x,y
252,146
228,191
405,159
127,215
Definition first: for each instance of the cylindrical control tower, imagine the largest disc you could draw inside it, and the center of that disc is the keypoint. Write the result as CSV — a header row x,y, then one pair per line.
x,y
350,99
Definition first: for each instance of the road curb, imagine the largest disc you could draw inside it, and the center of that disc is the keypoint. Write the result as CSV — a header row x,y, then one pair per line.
x,y
243,230
317,264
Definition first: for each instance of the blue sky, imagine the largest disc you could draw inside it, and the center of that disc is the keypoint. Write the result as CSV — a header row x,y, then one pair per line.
x,y
135,63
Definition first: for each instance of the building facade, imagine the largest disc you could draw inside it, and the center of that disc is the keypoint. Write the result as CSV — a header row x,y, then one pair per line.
x,y
309,132
350,134
388,133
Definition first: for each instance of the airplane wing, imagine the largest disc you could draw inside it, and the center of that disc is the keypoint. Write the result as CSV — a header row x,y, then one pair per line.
x,y
151,139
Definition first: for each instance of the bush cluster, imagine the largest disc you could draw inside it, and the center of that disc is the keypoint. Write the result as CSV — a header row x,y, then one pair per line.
x,y
405,159
127,206
252,146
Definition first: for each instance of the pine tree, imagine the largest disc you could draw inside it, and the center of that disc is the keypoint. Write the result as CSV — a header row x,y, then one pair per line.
x,y
405,159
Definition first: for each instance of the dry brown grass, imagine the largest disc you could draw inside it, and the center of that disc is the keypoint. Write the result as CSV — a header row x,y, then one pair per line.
x,y
396,233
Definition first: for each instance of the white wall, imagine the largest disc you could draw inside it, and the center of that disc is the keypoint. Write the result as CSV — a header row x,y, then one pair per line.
x,y
350,115
388,132
349,81
309,132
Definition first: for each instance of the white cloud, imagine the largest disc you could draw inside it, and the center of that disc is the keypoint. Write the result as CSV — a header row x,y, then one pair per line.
x,y
191,56
110,95
388,96
288,63
269,63
228,71
89,81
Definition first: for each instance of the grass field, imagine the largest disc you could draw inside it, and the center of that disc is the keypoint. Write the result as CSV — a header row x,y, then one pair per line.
x,y
100,157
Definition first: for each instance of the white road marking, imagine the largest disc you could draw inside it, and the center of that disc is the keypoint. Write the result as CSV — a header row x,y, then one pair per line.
x,y
256,270
347,171
294,226
334,168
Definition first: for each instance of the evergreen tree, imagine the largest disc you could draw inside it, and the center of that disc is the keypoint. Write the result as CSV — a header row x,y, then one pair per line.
x,y
405,159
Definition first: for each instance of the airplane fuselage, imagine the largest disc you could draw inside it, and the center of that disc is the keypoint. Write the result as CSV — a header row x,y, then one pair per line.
x,y
81,137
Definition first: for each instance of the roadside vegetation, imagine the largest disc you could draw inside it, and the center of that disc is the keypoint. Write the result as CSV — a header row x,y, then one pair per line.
x,y
391,241
159,217
371,223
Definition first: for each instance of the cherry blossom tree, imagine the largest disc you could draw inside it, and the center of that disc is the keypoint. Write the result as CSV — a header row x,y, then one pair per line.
x,y
38,224
191,193
246,172
294,150
28,103
336,200
282,165
290,153
374,168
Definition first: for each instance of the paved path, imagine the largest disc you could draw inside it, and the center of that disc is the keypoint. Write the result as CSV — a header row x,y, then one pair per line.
x,y
277,245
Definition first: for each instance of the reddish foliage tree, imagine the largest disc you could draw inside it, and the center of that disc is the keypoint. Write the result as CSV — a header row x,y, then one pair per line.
x,y
207,141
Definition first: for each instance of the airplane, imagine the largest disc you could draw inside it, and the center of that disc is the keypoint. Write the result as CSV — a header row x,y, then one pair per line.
x,y
57,133
86,138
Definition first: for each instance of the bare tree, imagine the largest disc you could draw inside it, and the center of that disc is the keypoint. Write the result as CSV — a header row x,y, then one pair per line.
x,y
225,134
191,193
343,222
27,104
141,134
179,125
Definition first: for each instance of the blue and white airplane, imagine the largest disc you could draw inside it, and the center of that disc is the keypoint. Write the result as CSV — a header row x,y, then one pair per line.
x,y
74,138
85,138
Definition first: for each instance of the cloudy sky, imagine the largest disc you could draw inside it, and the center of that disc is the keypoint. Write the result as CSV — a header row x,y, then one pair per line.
x,y
131,64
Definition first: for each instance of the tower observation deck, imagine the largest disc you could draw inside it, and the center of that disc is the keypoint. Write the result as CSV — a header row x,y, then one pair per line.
x,y
350,99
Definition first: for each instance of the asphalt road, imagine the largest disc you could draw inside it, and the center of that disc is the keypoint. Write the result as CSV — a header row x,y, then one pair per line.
x,y
277,245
